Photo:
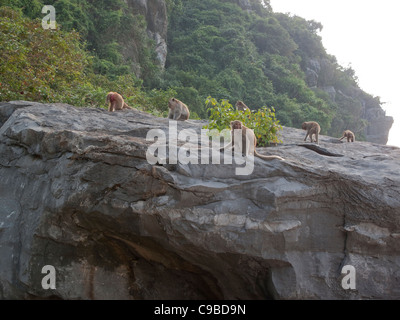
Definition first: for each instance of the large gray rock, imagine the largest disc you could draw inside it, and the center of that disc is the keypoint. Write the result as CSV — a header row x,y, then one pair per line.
x,y
77,193
379,125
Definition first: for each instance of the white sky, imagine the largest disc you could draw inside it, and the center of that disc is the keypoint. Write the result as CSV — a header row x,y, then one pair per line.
x,y
365,34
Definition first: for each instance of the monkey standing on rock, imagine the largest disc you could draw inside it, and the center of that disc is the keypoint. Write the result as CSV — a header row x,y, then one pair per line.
x,y
349,135
249,142
313,128
116,102
178,110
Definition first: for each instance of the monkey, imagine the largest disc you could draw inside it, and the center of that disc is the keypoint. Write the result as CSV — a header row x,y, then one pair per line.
x,y
241,106
116,102
349,135
249,142
313,128
178,110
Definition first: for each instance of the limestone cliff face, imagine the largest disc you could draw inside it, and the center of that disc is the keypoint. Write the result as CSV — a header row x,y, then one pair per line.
x,y
379,125
77,193
155,13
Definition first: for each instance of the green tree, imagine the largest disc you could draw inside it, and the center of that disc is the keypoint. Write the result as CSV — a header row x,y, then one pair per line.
x,y
30,8
38,64
53,66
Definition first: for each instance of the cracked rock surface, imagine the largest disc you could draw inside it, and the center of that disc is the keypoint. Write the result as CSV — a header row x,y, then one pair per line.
x,y
77,193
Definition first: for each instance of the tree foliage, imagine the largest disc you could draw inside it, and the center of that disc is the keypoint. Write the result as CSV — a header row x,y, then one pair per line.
x,y
263,121
218,49
105,25
54,66
37,64
227,49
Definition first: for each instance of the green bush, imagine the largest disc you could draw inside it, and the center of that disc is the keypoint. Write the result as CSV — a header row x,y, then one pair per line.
x,y
38,64
54,66
262,122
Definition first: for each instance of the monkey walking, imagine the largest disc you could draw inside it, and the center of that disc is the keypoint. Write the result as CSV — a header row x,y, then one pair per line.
x,y
116,102
349,135
313,128
178,110
249,142
241,106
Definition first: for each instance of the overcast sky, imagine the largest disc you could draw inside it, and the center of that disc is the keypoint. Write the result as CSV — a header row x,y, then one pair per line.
x,y
365,34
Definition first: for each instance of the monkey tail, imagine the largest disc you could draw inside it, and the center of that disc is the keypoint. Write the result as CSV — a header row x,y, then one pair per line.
x,y
126,106
274,157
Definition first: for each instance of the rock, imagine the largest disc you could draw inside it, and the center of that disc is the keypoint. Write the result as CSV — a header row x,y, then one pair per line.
x,y
312,70
155,13
77,193
379,125
314,65
331,91
311,78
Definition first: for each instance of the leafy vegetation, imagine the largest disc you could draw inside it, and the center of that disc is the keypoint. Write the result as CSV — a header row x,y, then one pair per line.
x,y
105,25
263,121
218,49
215,48
38,64
53,66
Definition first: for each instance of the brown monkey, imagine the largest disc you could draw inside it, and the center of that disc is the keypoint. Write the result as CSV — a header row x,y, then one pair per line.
x,y
249,142
241,106
349,135
178,110
312,128
116,102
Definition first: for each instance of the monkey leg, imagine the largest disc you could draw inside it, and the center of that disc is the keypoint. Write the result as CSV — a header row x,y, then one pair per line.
x,y
112,106
177,114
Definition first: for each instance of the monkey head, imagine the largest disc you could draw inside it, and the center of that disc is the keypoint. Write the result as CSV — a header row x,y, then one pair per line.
x,y
172,103
236,125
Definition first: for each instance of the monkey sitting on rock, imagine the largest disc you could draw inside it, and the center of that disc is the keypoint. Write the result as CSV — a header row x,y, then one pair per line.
x,y
178,110
249,142
116,102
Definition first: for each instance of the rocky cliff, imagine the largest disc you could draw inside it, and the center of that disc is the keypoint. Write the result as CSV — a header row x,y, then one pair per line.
x,y
155,13
77,193
319,75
